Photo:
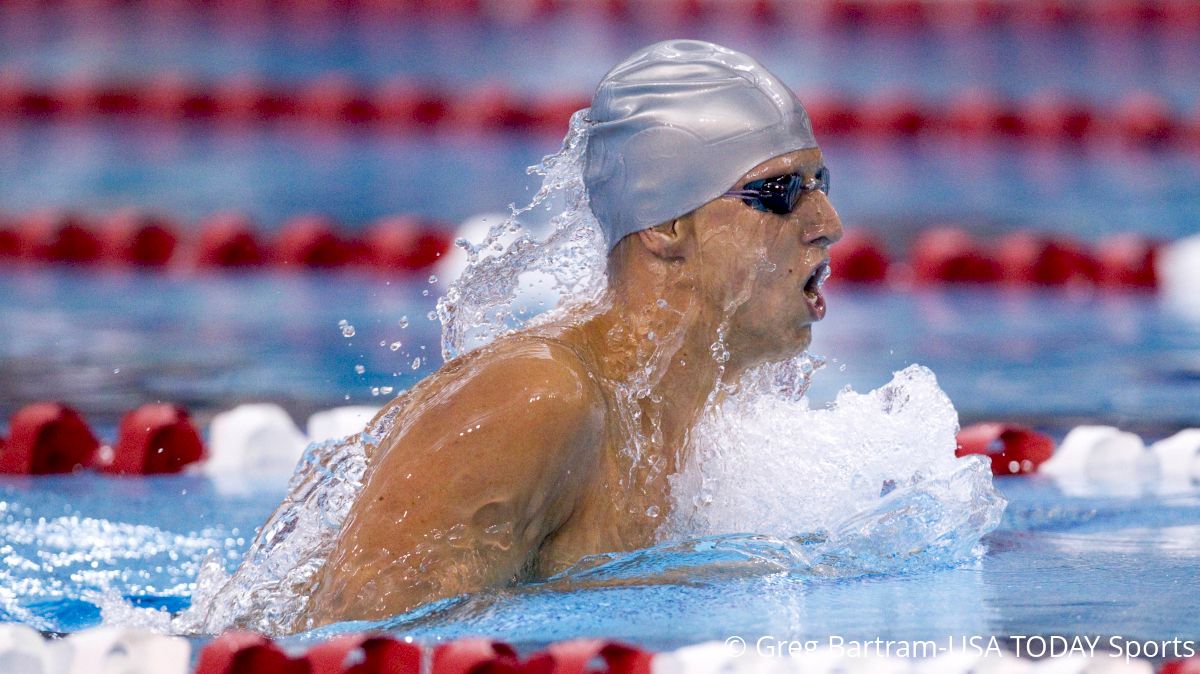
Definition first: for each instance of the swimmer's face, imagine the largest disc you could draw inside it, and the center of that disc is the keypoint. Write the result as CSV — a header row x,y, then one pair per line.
x,y
764,268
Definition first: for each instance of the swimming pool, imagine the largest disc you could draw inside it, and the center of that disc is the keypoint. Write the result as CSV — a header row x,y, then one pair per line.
x,y
1115,558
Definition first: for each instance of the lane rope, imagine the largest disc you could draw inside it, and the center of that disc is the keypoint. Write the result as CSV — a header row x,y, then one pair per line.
x,y
1137,118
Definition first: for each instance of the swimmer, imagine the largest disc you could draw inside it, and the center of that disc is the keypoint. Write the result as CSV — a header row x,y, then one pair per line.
x,y
514,461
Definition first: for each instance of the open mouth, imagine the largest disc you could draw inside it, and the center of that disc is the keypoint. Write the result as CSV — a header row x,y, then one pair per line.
x,y
812,289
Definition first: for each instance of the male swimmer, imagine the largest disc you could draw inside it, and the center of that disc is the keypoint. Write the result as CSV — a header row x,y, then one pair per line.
x,y
514,461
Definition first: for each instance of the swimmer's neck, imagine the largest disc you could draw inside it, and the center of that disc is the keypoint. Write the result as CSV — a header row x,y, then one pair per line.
x,y
657,336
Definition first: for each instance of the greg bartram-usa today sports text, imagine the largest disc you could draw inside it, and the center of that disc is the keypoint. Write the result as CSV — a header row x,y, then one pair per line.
x,y
1032,646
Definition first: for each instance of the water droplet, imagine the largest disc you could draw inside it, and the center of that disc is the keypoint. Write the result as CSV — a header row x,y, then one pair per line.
x,y
347,329
416,364
433,279
386,390
652,511
116,370
375,390
425,292
360,368
431,315
662,304
719,352
403,322
395,346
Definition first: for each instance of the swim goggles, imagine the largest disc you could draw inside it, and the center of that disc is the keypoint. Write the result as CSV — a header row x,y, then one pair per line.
x,y
780,194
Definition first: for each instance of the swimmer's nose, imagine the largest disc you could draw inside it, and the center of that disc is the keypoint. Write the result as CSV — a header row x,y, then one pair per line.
x,y
829,229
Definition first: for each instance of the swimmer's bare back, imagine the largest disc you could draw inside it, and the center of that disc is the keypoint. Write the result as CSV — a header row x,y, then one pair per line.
x,y
491,474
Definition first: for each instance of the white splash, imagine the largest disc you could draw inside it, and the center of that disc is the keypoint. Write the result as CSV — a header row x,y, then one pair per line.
x,y
767,463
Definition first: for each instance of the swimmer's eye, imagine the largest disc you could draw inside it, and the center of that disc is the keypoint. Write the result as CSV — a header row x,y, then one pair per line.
x,y
780,194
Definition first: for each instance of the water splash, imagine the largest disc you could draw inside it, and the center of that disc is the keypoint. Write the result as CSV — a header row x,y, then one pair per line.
x,y
869,485
511,269
270,588
838,460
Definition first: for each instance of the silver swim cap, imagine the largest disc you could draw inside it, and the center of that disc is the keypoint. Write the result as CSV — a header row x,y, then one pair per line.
x,y
675,125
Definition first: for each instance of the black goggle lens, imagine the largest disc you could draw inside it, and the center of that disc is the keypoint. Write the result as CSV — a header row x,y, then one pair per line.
x,y
780,194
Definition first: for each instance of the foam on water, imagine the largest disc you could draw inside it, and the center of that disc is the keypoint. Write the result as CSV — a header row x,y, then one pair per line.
x,y
868,485
767,463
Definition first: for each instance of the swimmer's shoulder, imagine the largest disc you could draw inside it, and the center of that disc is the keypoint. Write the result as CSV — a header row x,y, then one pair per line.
x,y
537,365
532,378
520,412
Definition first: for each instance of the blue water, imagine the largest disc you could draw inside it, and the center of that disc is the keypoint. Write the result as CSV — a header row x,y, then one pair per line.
x,y
1061,564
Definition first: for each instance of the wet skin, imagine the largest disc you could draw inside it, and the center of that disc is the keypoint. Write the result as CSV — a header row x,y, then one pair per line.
x,y
516,460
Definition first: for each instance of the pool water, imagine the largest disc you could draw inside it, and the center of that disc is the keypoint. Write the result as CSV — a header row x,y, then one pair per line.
x,y
1082,558
1080,561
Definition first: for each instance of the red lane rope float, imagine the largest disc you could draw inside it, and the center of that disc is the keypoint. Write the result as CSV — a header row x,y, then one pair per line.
x,y
475,656
579,656
1139,118
139,239
247,653
1127,261
404,242
1013,449
891,13
859,258
65,237
1031,259
154,439
229,240
47,438
313,241
951,255
364,654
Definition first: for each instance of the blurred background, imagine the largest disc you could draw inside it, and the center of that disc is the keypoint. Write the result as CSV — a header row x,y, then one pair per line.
x,y
226,201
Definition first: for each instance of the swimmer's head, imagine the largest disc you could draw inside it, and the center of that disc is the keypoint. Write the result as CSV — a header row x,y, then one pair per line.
x,y
675,125
703,172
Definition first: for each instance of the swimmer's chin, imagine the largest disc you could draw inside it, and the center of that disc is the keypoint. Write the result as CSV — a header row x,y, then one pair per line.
x,y
791,347
804,338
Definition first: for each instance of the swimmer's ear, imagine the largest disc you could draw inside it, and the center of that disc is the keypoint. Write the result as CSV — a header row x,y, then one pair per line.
x,y
670,240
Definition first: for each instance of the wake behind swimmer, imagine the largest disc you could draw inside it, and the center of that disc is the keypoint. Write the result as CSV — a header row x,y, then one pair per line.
x,y
604,426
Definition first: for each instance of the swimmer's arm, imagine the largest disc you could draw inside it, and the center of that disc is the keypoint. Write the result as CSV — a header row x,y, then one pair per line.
x,y
483,470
